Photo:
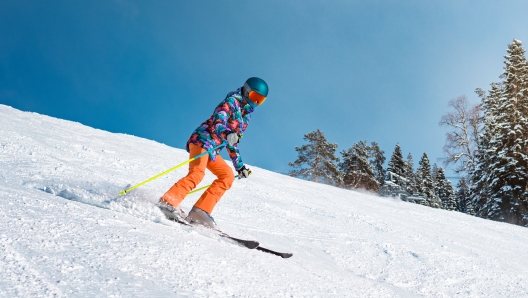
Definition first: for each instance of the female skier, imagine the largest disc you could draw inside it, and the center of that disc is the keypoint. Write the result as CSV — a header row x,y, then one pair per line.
x,y
226,126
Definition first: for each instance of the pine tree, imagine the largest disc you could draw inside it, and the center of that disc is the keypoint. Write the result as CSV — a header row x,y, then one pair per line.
x,y
444,190
426,183
462,196
356,168
452,198
378,159
316,160
412,185
434,174
469,209
396,168
508,148
479,176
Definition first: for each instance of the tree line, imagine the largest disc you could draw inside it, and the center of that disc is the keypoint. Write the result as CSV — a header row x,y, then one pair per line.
x,y
486,143
362,167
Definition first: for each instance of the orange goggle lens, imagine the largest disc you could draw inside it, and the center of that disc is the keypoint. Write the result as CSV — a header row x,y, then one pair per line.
x,y
256,98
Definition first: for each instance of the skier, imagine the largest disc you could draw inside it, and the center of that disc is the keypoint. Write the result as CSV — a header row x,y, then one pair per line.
x,y
226,126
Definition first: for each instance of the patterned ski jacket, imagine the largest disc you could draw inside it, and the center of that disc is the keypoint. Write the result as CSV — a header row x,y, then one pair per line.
x,y
231,115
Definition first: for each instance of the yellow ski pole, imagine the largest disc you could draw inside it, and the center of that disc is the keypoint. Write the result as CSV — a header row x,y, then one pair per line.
x,y
125,191
197,190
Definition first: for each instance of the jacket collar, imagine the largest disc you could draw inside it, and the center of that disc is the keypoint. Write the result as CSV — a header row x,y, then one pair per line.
x,y
245,103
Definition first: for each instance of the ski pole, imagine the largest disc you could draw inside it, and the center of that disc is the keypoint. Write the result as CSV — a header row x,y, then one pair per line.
x,y
197,190
125,191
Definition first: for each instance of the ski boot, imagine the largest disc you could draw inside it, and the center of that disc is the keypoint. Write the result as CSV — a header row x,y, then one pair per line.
x,y
199,217
172,213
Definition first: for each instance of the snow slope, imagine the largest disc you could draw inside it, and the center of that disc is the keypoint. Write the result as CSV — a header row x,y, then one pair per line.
x,y
59,236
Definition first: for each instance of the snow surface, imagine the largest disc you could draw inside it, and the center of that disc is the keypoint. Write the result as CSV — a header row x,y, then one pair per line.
x,y
62,235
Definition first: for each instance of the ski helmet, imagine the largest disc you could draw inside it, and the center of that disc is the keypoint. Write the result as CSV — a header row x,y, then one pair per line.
x,y
256,90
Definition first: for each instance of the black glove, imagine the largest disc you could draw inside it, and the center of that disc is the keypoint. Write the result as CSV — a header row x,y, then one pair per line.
x,y
243,172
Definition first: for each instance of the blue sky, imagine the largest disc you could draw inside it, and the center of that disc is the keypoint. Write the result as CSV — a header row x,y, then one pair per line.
x,y
379,71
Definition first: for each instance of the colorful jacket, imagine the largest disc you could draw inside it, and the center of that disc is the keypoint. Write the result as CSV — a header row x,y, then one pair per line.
x,y
231,115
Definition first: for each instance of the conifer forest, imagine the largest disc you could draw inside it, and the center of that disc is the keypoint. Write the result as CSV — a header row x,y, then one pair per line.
x,y
486,145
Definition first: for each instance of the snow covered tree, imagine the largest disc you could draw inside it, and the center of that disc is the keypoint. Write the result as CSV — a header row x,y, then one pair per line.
x,y
412,183
316,160
434,173
444,190
426,188
396,169
479,176
356,169
377,161
506,174
462,197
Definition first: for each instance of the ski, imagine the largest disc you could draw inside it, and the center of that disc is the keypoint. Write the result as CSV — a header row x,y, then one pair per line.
x,y
251,244
283,255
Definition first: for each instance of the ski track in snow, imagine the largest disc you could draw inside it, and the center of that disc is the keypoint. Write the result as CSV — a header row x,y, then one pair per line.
x,y
63,233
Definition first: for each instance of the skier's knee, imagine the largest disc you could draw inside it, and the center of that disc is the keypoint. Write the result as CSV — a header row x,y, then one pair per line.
x,y
196,175
228,179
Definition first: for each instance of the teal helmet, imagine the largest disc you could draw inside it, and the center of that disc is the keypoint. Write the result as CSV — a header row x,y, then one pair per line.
x,y
256,85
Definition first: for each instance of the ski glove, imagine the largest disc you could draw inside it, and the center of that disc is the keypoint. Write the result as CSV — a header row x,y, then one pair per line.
x,y
243,172
232,139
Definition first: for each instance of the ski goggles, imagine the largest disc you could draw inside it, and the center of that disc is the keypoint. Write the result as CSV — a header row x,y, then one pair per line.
x,y
256,98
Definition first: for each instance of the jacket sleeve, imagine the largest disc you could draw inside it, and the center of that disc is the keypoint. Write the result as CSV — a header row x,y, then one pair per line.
x,y
235,156
221,129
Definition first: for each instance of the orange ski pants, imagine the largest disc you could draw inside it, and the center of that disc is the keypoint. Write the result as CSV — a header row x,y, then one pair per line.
x,y
212,195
